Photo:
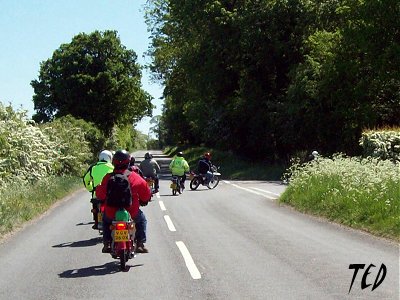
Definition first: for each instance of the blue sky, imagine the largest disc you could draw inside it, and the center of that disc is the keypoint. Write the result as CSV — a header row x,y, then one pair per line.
x,y
32,29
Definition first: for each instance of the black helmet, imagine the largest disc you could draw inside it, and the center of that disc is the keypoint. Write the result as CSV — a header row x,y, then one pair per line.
x,y
148,155
180,154
121,159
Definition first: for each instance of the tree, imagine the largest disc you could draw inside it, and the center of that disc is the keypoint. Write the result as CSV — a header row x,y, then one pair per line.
x,y
94,78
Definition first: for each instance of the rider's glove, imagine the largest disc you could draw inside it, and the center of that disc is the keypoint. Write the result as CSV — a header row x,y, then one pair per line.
x,y
143,203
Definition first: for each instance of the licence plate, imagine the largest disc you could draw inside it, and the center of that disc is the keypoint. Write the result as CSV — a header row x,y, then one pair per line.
x,y
121,236
100,217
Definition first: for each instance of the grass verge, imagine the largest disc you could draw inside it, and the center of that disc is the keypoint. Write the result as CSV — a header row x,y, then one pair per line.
x,y
22,203
360,193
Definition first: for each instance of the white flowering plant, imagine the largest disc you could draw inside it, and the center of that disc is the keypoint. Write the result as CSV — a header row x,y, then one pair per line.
x,y
359,192
29,152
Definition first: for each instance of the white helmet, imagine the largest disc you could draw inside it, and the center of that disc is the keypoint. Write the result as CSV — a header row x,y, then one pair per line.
x,y
315,153
105,155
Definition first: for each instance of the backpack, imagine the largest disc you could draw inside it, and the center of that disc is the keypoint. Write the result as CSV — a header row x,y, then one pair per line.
x,y
119,190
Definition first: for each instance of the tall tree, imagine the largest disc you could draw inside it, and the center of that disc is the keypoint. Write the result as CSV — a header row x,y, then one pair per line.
x,y
94,77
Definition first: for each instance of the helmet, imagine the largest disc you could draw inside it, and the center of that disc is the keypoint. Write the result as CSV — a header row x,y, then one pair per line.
x,y
121,159
180,154
105,155
207,155
315,153
148,155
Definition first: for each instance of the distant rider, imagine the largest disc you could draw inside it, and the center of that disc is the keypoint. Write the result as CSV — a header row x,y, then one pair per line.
x,y
93,177
150,168
134,168
141,194
178,167
204,167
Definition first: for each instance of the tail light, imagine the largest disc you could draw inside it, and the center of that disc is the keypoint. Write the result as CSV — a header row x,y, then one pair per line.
x,y
120,226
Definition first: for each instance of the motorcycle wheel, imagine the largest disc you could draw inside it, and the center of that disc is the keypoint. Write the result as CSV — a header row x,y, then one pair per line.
x,y
123,259
178,188
213,182
174,192
194,184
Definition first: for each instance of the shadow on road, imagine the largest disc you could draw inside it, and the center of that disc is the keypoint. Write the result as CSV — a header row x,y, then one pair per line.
x,y
106,269
85,243
87,223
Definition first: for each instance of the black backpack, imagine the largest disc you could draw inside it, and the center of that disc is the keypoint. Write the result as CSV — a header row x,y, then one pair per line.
x,y
119,190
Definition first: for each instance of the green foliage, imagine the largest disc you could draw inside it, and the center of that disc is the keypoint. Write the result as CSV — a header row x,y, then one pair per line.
x,y
384,144
126,137
362,193
22,202
26,153
73,151
29,152
94,78
272,78
231,166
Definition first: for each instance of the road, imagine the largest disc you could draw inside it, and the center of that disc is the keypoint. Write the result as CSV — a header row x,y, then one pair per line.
x,y
233,242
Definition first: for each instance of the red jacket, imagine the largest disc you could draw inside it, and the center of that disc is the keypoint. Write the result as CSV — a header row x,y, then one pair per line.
x,y
139,188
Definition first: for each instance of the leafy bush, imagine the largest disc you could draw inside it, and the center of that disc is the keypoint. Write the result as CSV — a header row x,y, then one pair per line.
x,y
384,144
26,153
73,150
29,152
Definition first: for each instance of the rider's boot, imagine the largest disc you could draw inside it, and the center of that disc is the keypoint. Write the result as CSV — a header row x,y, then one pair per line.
x,y
106,247
140,248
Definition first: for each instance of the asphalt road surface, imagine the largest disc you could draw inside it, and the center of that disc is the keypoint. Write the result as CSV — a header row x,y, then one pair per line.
x,y
233,242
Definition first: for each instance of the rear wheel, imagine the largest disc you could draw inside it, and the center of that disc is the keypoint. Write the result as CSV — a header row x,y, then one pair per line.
x,y
174,192
213,182
194,184
178,187
122,259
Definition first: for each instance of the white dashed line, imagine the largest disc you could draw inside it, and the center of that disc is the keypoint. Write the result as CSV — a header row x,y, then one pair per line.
x,y
170,225
162,206
194,272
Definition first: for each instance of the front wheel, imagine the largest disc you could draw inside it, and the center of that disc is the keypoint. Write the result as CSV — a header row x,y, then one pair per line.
x,y
194,184
213,182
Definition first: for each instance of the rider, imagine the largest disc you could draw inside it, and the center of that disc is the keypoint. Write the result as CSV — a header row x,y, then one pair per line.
x,y
314,155
204,167
93,177
134,168
141,194
150,168
178,167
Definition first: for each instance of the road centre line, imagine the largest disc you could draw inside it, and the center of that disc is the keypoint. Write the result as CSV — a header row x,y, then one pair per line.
x,y
162,206
194,272
170,225
251,191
